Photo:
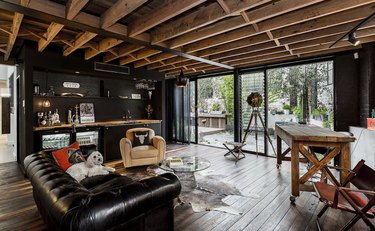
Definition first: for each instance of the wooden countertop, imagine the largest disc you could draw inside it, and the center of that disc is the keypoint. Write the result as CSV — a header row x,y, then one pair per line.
x,y
107,123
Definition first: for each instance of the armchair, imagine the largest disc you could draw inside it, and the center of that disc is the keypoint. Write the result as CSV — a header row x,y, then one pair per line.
x,y
143,154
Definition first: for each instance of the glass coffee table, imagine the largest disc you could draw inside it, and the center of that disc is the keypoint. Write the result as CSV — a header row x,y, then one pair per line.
x,y
185,167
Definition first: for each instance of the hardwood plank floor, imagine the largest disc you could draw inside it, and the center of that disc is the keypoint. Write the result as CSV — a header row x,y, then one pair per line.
x,y
258,175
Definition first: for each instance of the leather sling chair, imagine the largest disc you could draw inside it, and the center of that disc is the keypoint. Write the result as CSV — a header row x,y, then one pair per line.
x,y
359,200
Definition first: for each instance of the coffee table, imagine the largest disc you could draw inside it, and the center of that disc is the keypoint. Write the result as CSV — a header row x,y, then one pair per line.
x,y
185,171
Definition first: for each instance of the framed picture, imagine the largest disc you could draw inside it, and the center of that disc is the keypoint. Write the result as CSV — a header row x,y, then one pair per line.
x,y
86,111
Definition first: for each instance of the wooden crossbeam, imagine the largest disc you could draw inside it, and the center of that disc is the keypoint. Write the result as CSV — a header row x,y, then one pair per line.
x,y
224,6
163,13
52,31
79,42
103,45
17,20
122,52
119,10
201,17
73,7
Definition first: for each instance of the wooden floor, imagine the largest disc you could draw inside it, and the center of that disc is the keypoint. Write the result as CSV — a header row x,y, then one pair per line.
x,y
259,175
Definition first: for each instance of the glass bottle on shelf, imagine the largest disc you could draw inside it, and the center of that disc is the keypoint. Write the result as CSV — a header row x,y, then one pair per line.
x,y
51,92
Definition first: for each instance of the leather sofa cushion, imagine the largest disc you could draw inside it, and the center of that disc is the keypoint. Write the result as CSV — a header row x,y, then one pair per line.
x,y
144,151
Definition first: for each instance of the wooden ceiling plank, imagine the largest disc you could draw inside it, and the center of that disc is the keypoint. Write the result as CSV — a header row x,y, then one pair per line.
x,y
187,49
201,17
52,31
121,52
226,38
209,31
232,23
79,42
163,13
103,45
311,12
261,58
73,7
119,10
324,22
253,54
242,50
333,30
3,50
330,51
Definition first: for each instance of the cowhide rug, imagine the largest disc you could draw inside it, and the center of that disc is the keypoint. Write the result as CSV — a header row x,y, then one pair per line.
x,y
208,193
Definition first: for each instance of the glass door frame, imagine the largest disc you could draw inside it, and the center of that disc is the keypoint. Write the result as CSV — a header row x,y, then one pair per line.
x,y
265,103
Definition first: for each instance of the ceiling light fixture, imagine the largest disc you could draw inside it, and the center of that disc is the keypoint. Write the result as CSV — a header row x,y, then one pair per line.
x,y
181,80
353,40
350,34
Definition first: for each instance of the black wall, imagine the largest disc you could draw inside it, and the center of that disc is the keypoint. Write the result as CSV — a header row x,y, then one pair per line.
x,y
346,88
33,68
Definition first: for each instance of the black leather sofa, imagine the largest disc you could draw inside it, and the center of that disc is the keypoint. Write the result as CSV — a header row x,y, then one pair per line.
x,y
108,202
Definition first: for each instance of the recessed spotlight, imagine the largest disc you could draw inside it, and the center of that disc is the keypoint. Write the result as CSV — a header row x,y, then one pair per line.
x,y
77,72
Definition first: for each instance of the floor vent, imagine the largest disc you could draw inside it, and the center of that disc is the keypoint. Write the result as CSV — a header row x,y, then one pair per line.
x,y
105,67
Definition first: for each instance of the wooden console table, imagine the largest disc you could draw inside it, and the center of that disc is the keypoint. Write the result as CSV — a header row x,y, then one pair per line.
x,y
298,138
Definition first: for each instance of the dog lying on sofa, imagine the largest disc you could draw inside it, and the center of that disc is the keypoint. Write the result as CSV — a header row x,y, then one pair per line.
x,y
88,168
103,202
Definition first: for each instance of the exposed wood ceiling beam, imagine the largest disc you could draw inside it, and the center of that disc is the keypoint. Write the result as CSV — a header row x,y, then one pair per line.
x,y
73,7
93,29
79,42
326,21
52,31
138,55
163,13
224,6
102,46
311,12
121,52
119,10
201,17
239,33
17,20
233,23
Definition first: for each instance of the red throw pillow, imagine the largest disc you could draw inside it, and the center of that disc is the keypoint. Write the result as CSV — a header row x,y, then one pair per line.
x,y
61,156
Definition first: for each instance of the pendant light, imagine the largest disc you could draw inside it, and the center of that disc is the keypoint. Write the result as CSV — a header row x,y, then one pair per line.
x,y
181,80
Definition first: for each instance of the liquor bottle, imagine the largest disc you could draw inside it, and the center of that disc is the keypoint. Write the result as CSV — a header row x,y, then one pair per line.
x,y
373,113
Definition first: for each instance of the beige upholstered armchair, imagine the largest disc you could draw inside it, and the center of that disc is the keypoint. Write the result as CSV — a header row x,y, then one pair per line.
x,y
143,154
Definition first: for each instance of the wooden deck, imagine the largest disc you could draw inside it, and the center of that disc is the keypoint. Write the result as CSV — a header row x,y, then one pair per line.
x,y
272,211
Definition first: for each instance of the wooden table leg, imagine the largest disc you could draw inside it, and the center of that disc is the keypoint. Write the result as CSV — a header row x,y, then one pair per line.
x,y
278,147
345,160
295,169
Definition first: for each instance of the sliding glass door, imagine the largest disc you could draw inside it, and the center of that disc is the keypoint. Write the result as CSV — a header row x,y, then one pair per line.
x,y
214,111
250,83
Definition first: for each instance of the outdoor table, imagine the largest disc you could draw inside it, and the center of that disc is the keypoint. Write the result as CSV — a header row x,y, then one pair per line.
x,y
298,138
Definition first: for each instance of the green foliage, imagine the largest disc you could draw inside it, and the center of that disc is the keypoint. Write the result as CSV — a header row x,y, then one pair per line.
x,y
297,111
215,107
227,93
320,111
286,107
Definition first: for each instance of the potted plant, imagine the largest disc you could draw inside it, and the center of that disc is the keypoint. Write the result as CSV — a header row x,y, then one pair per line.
x,y
286,108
